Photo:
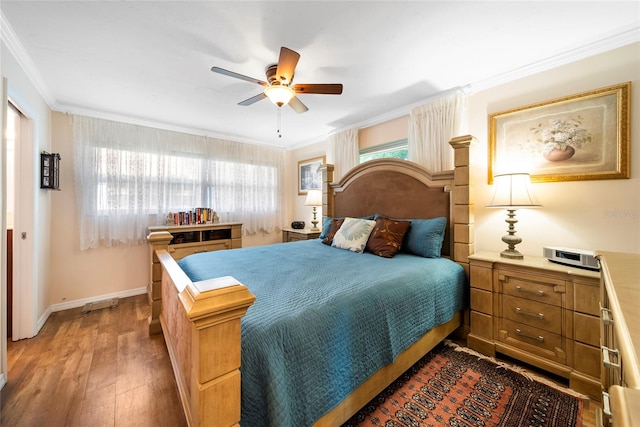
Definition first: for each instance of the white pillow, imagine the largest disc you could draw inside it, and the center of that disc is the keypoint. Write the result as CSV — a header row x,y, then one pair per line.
x,y
353,234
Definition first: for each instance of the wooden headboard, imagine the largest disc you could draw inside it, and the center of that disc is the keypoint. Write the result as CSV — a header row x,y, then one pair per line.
x,y
403,189
396,189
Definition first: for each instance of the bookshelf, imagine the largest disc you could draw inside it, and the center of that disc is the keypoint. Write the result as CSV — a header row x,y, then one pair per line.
x,y
181,241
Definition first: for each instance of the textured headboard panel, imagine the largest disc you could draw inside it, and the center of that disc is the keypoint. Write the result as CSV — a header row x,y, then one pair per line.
x,y
397,189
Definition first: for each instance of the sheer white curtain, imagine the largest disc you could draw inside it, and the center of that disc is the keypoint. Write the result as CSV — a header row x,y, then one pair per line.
x,y
431,127
344,152
128,177
246,184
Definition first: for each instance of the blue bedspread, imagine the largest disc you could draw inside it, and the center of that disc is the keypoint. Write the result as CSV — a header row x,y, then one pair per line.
x,y
325,319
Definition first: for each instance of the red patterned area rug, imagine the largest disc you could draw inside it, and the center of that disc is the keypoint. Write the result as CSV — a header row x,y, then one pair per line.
x,y
455,386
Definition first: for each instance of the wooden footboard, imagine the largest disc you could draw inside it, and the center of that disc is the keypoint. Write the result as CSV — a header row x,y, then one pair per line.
x,y
201,325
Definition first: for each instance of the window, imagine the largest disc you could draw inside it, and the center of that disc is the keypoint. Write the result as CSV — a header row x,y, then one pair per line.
x,y
396,150
130,177
132,181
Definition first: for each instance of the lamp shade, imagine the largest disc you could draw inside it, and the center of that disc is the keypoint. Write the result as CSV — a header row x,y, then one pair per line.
x,y
279,95
512,191
314,198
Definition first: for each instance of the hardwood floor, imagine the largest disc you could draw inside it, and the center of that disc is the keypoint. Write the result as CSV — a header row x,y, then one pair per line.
x,y
100,369
96,369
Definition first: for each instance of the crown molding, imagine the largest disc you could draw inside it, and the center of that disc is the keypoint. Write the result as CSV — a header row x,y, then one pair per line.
x,y
9,37
604,43
620,38
611,41
137,121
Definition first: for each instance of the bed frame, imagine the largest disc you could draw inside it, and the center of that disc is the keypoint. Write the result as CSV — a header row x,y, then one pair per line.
x,y
201,320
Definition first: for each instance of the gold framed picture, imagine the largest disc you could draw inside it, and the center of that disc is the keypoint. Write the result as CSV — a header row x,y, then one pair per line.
x,y
309,175
578,137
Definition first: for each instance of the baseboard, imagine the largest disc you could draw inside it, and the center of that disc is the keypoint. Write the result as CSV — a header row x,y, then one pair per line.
x,y
43,319
81,302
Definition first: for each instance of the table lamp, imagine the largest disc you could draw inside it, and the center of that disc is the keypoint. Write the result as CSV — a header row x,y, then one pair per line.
x,y
512,191
314,198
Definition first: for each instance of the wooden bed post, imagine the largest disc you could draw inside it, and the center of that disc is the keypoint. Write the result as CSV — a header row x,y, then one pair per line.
x,y
463,214
201,325
327,200
157,240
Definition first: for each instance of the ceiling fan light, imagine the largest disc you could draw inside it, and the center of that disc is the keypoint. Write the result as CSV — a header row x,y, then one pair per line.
x,y
279,95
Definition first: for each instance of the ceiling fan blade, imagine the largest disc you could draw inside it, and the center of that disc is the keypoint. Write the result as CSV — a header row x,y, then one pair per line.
x,y
253,99
238,76
287,65
323,89
297,105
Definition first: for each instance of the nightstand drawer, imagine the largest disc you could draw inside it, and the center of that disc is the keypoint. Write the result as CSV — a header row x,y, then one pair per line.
x,y
482,324
295,235
480,277
535,288
532,313
481,301
531,339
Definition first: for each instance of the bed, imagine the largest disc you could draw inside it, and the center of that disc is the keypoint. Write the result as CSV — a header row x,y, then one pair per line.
x,y
342,342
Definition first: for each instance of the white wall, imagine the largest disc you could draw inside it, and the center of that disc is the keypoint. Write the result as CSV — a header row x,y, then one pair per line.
x,y
596,214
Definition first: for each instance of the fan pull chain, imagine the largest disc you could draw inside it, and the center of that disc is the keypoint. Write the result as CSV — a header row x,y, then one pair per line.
x,y
279,121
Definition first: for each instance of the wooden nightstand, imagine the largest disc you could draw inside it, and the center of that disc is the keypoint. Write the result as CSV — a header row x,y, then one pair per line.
x,y
293,235
539,312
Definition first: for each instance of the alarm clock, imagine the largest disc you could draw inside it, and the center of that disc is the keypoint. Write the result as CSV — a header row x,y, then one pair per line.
x,y
298,225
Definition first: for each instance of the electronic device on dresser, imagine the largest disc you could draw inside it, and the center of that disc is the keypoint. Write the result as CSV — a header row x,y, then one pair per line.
x,y
573,257
297,225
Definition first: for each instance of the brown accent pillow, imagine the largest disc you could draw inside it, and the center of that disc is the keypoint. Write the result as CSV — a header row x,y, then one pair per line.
x,y
334,226
386,238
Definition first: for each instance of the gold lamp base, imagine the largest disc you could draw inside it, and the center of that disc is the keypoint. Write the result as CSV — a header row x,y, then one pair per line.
x,y
511,239
315,220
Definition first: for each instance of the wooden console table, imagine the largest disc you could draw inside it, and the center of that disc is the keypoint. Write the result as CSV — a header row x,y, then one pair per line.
x,y
180,241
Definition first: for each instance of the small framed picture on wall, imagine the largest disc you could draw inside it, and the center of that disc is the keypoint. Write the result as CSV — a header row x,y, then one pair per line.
x,y
309,175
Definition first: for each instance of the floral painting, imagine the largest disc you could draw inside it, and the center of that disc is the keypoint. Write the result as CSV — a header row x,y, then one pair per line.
x,y
579,137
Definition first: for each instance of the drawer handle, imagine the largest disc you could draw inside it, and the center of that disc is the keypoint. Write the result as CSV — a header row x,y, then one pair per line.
x,y
605,315
521,289
606,405
607,358
526,335
528,313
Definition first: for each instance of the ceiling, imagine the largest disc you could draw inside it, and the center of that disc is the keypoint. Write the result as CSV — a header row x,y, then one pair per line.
x,y
149,62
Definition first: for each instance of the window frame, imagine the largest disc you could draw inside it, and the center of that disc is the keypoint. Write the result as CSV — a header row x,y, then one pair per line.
x,y
400,144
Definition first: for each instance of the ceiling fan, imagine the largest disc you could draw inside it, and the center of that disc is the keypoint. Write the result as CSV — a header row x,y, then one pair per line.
x,y
278,87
